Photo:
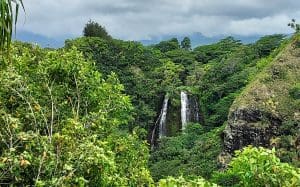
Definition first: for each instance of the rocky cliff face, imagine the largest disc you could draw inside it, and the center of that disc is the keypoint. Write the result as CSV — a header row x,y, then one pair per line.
x,y
250,126
195,115
258,114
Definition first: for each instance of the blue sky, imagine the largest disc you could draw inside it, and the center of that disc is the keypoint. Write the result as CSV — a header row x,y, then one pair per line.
x,y
147,19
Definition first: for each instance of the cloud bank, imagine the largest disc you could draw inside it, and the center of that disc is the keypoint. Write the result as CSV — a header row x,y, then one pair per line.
x,y
143,19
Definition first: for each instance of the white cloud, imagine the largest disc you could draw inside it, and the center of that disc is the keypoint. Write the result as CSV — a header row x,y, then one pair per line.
x,y
141,19
255,26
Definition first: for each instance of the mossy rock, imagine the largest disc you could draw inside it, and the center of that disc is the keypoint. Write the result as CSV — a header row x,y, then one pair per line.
x,y
271,99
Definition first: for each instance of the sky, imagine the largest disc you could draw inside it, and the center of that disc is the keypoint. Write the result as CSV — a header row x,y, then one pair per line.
x,y
145,19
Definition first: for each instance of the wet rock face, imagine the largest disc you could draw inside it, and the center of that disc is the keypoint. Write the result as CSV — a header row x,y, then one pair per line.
x,y
194,115
248,126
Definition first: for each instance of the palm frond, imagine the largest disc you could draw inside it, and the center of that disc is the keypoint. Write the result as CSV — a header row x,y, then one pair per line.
x,y
8,20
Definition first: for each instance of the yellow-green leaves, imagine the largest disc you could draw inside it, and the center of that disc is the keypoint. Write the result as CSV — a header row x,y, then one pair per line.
x,y
260,166
181,182
60,124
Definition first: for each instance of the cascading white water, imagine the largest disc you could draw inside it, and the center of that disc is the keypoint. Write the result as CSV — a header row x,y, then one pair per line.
x,y
184,109
163,117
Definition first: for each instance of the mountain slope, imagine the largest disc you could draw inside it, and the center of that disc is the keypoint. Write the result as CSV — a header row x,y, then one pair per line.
x,y
267,113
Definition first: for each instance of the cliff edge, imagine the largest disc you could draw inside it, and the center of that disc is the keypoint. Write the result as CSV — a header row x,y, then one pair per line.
x,y
258,115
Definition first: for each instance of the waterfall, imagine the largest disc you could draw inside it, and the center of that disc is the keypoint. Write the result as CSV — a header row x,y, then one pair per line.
x,y
189,109
184,109
163,117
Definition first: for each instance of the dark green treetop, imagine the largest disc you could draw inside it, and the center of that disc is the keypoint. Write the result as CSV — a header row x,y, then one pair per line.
x,y
94,29
168,45
294,25
186,43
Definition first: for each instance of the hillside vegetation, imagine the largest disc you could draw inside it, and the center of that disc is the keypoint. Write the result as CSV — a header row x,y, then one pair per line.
x,y
267,112
86,114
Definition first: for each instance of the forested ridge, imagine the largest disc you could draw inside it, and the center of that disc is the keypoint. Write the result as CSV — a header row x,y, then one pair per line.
x,y
106,112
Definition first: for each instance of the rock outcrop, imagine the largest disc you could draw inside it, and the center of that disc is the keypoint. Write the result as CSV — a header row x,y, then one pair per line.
x,y
250,126
257,115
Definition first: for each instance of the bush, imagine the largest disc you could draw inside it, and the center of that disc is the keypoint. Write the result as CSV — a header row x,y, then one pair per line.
x,y
171,182
226,179
295,92
260,167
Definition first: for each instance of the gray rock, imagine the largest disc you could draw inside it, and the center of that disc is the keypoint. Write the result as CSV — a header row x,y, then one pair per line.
x,y
249,126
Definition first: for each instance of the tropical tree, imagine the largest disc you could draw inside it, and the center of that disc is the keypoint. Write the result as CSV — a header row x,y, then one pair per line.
x,y
168,45
61,123
8,18
260,167
186,43
169,76
294,25
94,29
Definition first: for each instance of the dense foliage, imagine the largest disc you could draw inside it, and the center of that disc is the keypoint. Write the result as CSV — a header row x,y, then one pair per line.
x,y
215,73
171,182
259,167
170,45
61,124
80,115
228,68
191,154
138,68
67,120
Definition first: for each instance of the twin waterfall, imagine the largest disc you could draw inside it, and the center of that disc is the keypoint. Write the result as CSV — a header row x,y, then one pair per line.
x,y
189,113
184,109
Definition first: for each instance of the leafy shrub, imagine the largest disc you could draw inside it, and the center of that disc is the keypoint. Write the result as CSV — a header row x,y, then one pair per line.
x,y
171,182
260,167
226,179
295,91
